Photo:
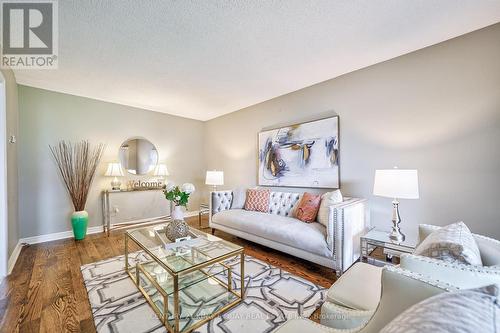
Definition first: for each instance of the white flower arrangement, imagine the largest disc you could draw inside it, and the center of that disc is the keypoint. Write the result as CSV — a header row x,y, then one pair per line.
x,y
179,195
188,188
170,186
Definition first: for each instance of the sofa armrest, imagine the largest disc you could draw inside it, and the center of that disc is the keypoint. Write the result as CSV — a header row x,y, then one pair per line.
x,y
347,221
219,201
462,276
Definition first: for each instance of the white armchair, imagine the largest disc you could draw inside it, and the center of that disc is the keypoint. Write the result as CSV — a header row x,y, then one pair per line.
x,y
460,275
400,289
355,295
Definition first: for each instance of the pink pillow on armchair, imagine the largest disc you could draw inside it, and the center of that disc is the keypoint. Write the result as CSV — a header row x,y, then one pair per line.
x,y
308,207
258,200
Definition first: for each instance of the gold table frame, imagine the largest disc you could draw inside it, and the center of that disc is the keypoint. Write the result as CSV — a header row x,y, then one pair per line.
x,y
175,276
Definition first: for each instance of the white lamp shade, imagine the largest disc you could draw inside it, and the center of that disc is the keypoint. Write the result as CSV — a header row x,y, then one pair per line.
x,y
114,170
161,170
396,183
214,178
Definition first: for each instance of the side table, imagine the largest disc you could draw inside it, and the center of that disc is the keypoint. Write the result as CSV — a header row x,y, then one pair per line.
x,y
377,249
204,209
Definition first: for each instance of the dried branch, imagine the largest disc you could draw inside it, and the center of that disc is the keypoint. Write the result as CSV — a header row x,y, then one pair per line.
x,y
77,165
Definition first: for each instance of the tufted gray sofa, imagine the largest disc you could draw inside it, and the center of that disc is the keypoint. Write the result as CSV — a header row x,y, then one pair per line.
x,y
335,246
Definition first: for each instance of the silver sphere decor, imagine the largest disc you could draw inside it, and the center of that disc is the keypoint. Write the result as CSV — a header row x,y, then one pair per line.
x,y
176,229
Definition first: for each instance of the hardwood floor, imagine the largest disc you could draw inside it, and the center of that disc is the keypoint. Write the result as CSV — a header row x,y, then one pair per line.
x,y
45,292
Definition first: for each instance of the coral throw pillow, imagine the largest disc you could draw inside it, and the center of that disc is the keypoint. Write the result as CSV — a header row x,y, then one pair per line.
x,y
307,210
258,200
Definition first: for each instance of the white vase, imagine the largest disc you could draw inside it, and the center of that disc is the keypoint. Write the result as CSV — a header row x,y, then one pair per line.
x,y
177,213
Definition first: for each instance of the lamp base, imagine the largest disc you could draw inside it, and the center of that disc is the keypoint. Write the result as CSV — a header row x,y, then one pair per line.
x,y
396,235
116,184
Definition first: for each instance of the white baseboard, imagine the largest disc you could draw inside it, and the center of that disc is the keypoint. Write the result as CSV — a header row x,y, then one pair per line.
x,y
42,239
13,257
56,236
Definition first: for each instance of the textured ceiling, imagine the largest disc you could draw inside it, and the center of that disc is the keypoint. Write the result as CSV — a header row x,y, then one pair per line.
x,y
202,59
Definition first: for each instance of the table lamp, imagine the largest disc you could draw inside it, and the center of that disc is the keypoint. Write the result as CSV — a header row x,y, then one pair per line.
x,y
161,172
396,184
115,170
214,178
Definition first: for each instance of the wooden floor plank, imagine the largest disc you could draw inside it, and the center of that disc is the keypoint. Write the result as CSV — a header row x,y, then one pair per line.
x,y
46,292
17,284
34,303
63,302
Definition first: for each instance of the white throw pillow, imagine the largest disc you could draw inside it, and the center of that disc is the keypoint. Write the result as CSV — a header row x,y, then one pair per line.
x,y
467,311
453,243
328,199
239,198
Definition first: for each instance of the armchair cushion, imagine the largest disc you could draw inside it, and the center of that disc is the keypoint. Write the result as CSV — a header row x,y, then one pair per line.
x,y
475,310
453,243
358,288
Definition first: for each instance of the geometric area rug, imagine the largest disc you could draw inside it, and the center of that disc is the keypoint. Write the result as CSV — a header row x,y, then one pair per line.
x,y
272,296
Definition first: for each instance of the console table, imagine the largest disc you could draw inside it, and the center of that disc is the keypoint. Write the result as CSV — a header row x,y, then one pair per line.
x,y
142,218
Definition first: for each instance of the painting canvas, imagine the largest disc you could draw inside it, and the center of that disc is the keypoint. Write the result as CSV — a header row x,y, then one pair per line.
x,y
302,155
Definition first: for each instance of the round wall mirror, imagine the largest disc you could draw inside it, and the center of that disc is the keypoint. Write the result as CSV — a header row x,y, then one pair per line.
x,y
138,156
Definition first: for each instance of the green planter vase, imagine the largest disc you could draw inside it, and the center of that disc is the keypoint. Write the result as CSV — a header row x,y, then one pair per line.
x,y
79,221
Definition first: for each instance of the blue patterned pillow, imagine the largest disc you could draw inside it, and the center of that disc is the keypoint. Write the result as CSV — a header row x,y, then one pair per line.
x,y
453,243
466,311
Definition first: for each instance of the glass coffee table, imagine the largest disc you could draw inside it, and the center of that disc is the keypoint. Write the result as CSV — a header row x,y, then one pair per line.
x,y
187,283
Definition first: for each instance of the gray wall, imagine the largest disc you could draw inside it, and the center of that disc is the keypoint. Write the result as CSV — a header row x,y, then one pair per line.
x,y
46,117
12,181
436,110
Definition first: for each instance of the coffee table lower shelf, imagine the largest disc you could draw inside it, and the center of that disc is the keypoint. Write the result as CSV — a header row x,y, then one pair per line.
x,y
176,299
187,283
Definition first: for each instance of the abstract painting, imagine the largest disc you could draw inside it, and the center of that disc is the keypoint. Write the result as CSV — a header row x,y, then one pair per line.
x,y
302,155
